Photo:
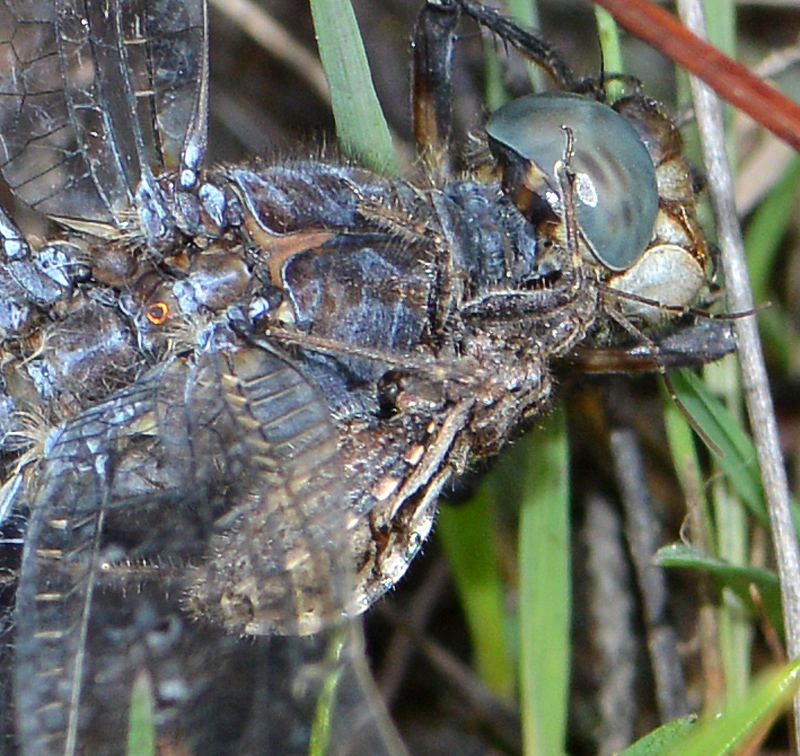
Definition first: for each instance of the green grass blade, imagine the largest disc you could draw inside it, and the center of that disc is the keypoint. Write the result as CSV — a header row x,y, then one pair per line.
x,y
767,228
681,440
732,730
765,233
611,48
737,578
742,721
658,741
526,13
545,591
732,540
141,727
360,124
322,726
466,535
739,462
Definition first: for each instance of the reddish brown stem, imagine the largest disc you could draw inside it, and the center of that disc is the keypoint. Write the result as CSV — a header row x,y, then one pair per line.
x,y
733,81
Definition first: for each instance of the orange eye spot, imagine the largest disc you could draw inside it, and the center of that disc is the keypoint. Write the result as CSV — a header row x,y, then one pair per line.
x,y
157,312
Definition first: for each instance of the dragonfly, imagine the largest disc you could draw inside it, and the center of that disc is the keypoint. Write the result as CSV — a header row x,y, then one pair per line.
x,y
232,396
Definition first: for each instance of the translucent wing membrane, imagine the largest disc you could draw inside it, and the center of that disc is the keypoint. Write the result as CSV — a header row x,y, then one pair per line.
x,y
202,503
96,100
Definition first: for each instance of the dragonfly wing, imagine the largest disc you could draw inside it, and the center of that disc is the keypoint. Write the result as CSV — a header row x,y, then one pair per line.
x,y
97,99
177,530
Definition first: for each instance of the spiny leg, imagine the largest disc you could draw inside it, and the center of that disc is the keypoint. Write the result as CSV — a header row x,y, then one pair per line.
x,y
528,44
434,36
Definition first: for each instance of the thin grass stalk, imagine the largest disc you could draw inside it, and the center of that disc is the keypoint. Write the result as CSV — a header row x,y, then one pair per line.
x,y
732,523
360,123
754,374
545,607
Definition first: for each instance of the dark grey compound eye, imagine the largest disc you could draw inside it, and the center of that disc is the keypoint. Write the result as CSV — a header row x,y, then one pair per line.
x,y
616,195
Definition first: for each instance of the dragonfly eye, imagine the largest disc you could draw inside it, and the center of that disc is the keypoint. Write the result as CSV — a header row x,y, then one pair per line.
x,y
157,312
616,196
